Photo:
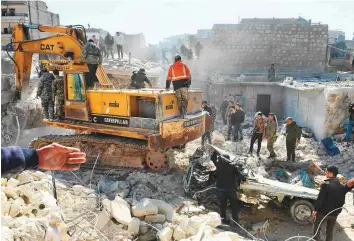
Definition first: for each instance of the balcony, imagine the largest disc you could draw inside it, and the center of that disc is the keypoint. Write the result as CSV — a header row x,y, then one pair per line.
x,y
18,17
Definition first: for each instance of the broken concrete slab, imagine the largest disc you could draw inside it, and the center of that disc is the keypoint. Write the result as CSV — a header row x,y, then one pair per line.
x,y
143,208
103,219
121,211
134,226
165,234
163,208
156,218
179,233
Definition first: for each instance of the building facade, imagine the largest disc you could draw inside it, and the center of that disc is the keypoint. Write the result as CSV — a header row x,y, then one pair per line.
x,y
29,12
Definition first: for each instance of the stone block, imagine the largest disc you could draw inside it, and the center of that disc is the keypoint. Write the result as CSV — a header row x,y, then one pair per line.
x,y
179,233
134,226
121,211
156,218
165,234
12,182
143,208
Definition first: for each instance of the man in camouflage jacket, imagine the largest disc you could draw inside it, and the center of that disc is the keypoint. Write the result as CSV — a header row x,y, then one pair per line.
x,y
58,94
91,54
45,93
258,132
271,134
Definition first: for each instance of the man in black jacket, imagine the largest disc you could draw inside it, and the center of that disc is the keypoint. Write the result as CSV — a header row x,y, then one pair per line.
x,y
223,108
228,178
350,122
330,198
138,79
239,119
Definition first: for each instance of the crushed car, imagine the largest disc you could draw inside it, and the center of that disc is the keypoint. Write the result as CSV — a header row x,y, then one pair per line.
x,y
199,182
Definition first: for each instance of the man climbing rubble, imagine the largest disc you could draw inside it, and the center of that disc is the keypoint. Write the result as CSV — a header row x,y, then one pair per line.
x,y
258,132
271,133
207,134
138,79
91,54
329,202
45,93
228,178
58,94
51,157
350,122
223,108
293,135
180,76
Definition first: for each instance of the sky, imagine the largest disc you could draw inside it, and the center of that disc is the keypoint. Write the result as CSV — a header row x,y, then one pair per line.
x,y
159,19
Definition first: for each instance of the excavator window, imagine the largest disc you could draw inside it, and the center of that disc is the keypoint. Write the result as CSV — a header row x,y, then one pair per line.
x,y
75,87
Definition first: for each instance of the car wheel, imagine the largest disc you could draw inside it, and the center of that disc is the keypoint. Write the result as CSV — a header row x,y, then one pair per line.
x,y
301,211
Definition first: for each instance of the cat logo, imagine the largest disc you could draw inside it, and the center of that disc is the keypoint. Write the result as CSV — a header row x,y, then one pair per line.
x,y
49,47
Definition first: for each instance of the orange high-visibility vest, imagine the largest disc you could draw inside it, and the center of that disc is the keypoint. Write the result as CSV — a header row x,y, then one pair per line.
x,y
178,71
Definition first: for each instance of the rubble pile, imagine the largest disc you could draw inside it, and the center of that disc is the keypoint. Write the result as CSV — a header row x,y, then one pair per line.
x,y
30,211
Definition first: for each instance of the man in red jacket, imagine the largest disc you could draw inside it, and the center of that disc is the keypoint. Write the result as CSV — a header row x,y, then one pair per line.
x,y
180,77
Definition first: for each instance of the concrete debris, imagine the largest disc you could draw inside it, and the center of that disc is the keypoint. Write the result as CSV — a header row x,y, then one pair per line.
x,y
121,211
144,208
156,218
134,226
165,234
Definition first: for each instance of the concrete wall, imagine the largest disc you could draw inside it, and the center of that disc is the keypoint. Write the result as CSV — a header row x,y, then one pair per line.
x,y
322,110
250,91
39,14
307,107
254,46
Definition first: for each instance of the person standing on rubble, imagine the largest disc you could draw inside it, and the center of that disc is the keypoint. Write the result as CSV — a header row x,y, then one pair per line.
x,y
109,41
271,73
138,79
58,94
329,202
207,134
271,134
258,132
229,110
91,54
198,47
180,76
228,178
223,109
293,135
350,122
44,92
119,40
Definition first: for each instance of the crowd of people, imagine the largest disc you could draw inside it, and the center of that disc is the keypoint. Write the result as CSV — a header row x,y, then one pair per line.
x,y
109,43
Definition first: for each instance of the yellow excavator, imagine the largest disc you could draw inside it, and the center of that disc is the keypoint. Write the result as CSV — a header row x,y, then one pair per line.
x,y
126,128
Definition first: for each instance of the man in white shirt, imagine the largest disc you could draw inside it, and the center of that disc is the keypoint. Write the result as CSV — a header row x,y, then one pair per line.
x,y
119,42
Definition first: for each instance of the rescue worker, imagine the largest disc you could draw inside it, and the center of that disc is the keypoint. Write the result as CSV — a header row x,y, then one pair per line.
x,y
228,112
119,40
239,119
258,132
198,48
271,134
271,73
331,197
91,54
58,94
293,135
223,108
350,122
207,134
180,76
109,41
52,157
232,123
138,79
228,178
45,93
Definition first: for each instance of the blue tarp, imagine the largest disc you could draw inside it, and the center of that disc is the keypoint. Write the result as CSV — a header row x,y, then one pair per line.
x,y
331,148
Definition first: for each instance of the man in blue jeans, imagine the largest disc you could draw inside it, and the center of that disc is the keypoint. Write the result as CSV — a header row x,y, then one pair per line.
x,y
350,122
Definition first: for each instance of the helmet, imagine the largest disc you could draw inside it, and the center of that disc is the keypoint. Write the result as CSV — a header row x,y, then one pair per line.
x,y
178,58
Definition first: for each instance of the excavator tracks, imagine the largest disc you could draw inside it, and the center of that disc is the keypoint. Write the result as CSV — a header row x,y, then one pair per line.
x,y
113,152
